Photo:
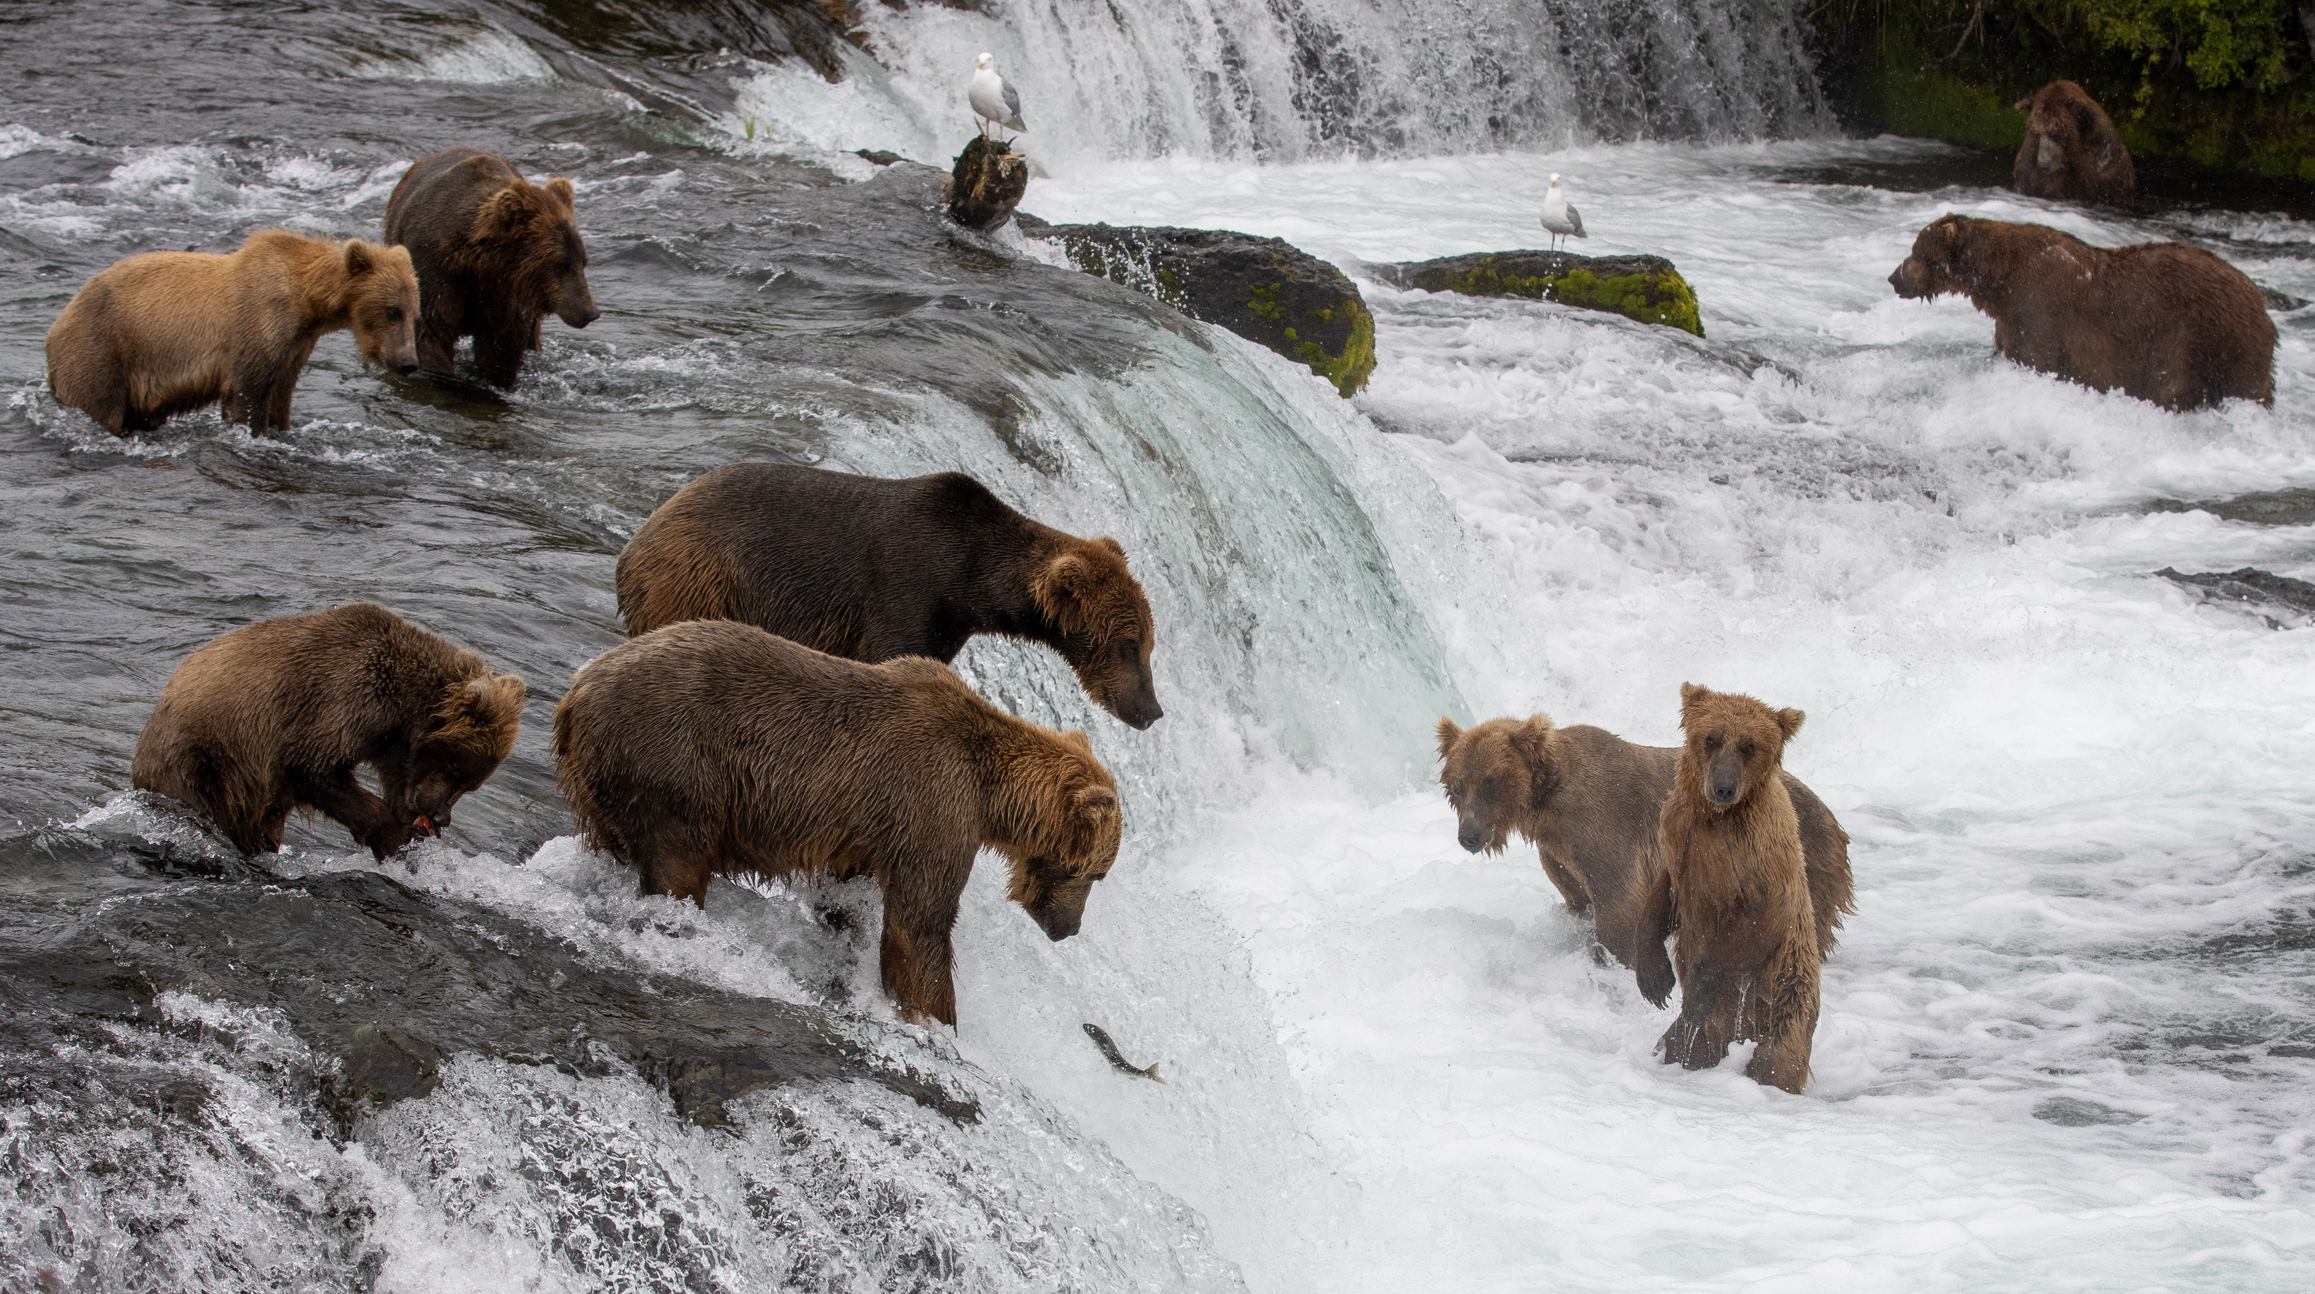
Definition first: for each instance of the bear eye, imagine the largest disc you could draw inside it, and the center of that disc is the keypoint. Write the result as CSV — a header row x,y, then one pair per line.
x,y
1129,651
1712,744
1746,748
393,314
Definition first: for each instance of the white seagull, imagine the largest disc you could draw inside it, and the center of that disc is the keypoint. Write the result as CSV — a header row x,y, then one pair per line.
x,y
994,99
1558,217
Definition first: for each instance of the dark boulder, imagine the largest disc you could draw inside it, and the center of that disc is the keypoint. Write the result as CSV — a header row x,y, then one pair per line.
x,y
986,185
2277,599
1645,288
1266,290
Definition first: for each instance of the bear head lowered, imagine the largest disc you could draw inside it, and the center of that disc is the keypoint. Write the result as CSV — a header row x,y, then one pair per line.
x,y
471,735
381,304
1489,771
534,236
1735,743
2071,150
1106,628
1061,828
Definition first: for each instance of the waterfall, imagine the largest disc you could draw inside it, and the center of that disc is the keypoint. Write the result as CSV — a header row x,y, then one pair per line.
x,y
1283,80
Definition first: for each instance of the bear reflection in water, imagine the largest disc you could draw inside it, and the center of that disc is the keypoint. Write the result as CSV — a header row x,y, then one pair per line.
x,y
1593,804
711,747
2165,322
276,715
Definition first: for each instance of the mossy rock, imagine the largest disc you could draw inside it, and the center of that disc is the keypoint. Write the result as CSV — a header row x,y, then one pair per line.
x,y
1644,288
1263,289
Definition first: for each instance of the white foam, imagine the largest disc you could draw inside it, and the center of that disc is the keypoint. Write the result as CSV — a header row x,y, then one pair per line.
x,y
488,56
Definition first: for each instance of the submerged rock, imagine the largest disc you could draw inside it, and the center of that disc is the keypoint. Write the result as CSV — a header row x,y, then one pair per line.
x,y
386,984
1266,290
2262,593
986,184
1645,288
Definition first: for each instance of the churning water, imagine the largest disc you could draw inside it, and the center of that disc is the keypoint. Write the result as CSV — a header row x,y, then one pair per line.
x,y
2068,1040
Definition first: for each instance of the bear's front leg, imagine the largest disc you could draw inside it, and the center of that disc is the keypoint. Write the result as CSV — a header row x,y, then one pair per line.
x,y
340,798
1700,1038
917,961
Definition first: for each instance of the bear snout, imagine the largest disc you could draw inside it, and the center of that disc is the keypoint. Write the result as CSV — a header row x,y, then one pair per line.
x,y
1147,713
1722,793
1903,281
1470,836
1058,924
576,306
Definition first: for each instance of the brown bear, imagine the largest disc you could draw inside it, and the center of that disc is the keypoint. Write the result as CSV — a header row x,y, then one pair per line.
x,y
2072,151
1592,802
275,715
713,747
871,569
2165,322
165,333
494,253
1735,893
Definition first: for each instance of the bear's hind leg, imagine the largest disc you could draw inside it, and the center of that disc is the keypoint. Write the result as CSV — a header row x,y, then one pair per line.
x,y
498,357
673,859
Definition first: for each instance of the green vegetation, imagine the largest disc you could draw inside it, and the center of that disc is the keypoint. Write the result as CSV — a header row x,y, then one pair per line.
x,y
2221,85
1658,298
1349,370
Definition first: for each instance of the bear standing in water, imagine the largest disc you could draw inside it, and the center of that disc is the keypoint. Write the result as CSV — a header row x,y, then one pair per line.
x,y
1592,803
1734,893
712,747
2165,322
165,333
2072,151
494,253
871,569
275,715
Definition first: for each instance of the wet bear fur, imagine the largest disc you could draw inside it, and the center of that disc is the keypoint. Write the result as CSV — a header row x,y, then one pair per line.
x,y
871,569
275,715
495,253
711,747
166,333
2072,151
1592,803
2165,322
1735,893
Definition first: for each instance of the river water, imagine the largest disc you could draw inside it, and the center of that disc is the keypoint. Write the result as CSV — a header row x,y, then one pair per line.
x,y
2068,1039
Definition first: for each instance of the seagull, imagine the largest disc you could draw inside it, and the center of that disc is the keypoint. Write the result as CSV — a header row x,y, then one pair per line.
x,y
994,99
1558,217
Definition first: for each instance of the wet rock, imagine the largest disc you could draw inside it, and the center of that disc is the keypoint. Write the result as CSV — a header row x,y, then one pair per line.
x,y
2281,302
1263,289
986,184
2262,593
385,984
1646,288
2292,507
879,156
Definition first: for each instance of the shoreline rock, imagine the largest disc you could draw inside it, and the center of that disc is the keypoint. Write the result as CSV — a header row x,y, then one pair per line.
x,y
1264,289
1647,289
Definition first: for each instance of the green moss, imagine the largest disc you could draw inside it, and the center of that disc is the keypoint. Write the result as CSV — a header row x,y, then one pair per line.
x,y
1936,106
1350,369
1646,298
1264,302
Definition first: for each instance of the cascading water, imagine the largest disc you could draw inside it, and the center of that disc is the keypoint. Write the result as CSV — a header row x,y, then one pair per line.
x,y
1281,80
2066,1039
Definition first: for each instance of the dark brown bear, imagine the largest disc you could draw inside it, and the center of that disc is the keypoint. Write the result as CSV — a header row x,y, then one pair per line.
x,y
1592,803
2165,322
2072,151
713,747
871,569
274,716
1735,893
166,333
494,253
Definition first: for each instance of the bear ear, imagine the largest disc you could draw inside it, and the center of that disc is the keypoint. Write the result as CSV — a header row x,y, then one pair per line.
x,y
1449,734
359,259
1076,737
1790,721
1059,591
559,189
1531,739
1112,545
2024,105
1094,818
507,211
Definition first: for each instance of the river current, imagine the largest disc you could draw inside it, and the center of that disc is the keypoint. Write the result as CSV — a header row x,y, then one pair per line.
x,y
2068,1039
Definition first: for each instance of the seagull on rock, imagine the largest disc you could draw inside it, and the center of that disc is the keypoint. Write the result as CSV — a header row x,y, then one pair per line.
x,y
1558,217
994,99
